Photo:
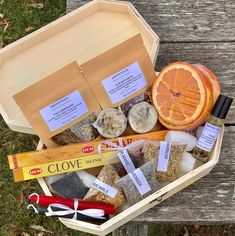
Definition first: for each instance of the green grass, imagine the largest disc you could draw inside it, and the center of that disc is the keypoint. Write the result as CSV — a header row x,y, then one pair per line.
x,y
18,18
14,218
25,16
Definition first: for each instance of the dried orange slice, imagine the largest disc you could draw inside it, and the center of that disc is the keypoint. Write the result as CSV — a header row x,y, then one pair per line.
x,y
212,78
182,95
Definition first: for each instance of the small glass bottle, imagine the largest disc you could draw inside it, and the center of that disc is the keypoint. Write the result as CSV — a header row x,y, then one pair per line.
x,y
212,129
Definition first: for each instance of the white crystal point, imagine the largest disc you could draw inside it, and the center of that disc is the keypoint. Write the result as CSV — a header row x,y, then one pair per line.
x,y
87,178
188,163
181,137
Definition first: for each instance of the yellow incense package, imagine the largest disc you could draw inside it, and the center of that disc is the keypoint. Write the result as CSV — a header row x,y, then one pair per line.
x,y
59,167
75,150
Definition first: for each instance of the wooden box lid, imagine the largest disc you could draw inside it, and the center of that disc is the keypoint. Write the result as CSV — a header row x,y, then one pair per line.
x,y
80,35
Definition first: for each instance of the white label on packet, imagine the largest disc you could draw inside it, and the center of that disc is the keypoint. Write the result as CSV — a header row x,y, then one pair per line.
x,y
124,83
163,157
208,137
64,110
105,188
140,181
126,161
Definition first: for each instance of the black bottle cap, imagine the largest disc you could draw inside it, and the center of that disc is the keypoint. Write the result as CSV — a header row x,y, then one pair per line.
x,y
221,106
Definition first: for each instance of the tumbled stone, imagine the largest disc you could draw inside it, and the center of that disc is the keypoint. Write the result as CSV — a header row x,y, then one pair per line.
x,y
181,137
188,163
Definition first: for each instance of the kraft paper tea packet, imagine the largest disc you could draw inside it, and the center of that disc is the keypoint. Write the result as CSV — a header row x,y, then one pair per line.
x,y
127,160
120,73
167,157
104,189
140,183
58,103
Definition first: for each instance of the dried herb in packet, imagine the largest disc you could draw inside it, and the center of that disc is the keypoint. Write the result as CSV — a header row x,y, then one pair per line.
x,y
81,132
108,175
146,183
151,152
130,158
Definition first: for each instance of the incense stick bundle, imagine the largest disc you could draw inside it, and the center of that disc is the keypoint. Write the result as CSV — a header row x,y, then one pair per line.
x,y
74,150
59,167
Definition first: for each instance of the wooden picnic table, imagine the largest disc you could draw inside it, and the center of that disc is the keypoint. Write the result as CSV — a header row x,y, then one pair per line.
x,y
197,32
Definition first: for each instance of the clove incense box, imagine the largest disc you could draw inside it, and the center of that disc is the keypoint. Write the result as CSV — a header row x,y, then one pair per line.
x,y
59,167
75,150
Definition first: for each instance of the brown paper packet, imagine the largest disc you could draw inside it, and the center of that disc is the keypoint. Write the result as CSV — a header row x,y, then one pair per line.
x,y
54,88
131,53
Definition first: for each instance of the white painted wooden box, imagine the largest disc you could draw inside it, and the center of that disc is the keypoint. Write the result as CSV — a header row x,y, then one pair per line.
x,y
82,34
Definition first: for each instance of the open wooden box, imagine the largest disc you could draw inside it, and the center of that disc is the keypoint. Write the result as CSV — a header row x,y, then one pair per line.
x,y
82,35
148,202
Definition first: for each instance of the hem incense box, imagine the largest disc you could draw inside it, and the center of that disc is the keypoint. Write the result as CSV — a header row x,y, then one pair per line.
x,y
75,150
59,167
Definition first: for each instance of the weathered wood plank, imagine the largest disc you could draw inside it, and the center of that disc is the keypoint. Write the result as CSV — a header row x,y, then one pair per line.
x,y
219,57
211,199
131,229
208,201
73,4
177,20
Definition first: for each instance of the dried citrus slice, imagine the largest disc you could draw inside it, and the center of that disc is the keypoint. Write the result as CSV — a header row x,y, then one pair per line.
x,y
199,121
212,78
182,95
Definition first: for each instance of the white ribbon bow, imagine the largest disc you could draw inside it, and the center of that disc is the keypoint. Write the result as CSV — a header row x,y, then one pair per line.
x,y
95,213
119,147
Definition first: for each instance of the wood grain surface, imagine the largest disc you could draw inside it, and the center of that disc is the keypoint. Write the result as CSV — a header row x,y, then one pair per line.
x,y
197,32
205,36
189,21
184,21
211,200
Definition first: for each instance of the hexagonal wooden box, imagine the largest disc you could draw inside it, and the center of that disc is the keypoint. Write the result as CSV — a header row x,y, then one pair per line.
x,y
82,35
